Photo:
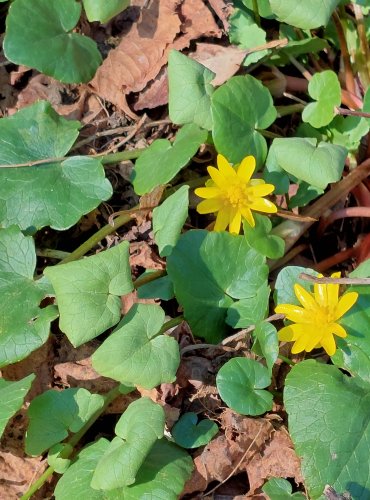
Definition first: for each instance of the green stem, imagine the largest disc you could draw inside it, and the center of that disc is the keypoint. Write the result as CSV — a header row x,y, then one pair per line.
x,y
286,360
268,134
171,323
121,156
50,253
257,17
109,397
143,280
289,109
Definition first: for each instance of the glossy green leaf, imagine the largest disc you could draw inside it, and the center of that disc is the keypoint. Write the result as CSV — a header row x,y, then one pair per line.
x,y
53,194
259,237
140,426
305,15
285,281
161,288
246,33
12,395
168,220
96,10
264,8
136,353
319,163
89,292
163,474
328,418
24,327
239,108
240,383
325,88
347,131
189,433
278,488
162,160
247,312
266,343
190,91
54,413
208,271
39,34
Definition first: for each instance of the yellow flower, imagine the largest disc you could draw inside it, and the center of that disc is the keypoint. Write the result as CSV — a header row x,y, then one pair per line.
x,y
233,194
316,323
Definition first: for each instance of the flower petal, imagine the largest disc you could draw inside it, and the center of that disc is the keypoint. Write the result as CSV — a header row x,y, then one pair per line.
x,y
207,192
262,189
333,292
263,205
328,343
235,222
225,168
246,168
305,298
338,330
248,216
314,338
209,206
294,313
256,182
345,303
292,332
222,220
300,344
217,177
321,293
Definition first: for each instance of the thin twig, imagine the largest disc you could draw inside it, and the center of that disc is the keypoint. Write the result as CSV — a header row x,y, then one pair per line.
x,y
334,281
300,68
350,112
127,138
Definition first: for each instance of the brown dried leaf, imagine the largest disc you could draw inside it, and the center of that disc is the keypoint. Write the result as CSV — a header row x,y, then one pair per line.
x,y
155,93
223,10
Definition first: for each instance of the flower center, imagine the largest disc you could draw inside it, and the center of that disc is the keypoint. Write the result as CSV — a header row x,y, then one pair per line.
x,y
236,195
324,315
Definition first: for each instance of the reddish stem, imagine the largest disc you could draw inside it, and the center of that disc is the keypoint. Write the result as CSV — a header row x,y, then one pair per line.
x,y
334,260
350,79
343,214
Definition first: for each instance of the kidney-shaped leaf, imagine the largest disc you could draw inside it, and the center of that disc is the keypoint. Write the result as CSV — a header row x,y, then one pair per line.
x,y
239,108
162,474
96,10
136,353
305,15
240,383
53,194
189,433
260,239
54,413
208,270
88,292
141,425
329,422
40,34
317,164
278,488
163,160
325,88
24,327
11,396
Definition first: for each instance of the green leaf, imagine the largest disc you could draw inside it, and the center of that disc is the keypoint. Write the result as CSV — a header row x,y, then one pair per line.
x,y
163,474
347,131
96,10
136,353
239,108
328,415
264,8
296,48
88,292
161,288
278,488
163,160
246,312
246,33
208,271
40,35
266,343
189,433
325,88
240,383
168,220
285,281
141,425
260,239
60,465
53,194
54,413
24,327
319,163
12,395
190,91
304,195
305,15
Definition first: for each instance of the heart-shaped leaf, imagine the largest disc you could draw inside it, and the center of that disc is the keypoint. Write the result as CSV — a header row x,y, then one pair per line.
x,y
141,425
316,163
208,270
325,88
12,395
88,292
161,288
278,488
162,474
239,108
24,326
329,425
247,312
190,91
136,353
240,383
96,10
54,413
305,15
53,194
40,35
162,161
189,433
259,237
246,33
